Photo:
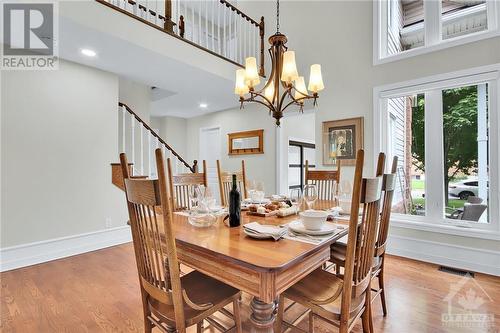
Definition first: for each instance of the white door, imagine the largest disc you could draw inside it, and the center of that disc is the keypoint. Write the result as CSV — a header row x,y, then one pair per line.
x,y
210,151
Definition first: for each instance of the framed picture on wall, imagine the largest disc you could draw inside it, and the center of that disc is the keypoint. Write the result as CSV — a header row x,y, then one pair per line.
x,y
341,140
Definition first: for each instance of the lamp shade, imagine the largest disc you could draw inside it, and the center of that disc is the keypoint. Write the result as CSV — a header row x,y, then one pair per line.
x,y
269,92
289,72
300,88
240,88
315,79
251,73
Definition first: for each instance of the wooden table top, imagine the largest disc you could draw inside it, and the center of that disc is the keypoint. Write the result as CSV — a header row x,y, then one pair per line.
x,y
232,243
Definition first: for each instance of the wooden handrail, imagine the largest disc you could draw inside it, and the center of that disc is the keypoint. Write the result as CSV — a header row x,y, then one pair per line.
x,y
129,110
239,12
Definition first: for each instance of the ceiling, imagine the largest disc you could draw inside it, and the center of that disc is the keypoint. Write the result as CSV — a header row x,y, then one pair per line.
x,y
183,75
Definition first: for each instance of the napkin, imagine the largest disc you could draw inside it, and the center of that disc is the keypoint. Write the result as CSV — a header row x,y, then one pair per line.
x,y
271,230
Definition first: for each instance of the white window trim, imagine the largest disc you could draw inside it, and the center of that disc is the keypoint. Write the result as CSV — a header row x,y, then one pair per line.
x,y
432,26
438,223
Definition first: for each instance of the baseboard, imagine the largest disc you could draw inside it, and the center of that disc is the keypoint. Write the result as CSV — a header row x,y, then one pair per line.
x,y
468,258
39,252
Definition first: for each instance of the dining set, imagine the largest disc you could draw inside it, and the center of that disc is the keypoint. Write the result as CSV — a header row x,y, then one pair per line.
x,y
322,249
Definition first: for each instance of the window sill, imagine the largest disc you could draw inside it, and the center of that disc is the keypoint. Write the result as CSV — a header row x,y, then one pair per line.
x,y
400,222
436,47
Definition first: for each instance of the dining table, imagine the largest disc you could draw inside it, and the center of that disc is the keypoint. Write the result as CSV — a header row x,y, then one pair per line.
x,y
263,268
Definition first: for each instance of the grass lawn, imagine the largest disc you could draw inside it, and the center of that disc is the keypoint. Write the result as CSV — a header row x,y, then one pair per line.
x,y
452,203
417,184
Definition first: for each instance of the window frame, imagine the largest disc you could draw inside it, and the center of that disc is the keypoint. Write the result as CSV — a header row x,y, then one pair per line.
x,y
302,162
432,31
434,220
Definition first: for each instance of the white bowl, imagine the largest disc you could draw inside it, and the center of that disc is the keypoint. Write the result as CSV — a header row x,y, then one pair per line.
x,y
313,219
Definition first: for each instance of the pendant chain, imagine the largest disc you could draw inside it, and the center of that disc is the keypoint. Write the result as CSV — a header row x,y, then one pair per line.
x,y
277,16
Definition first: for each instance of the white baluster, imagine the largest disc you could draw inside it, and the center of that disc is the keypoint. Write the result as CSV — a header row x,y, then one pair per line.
x,y
213,25
245,40
219,45
176,161
192,21
132,129
123,129
142,149
229,42
240,39
224,35
206,24
256,43
149,152
199,23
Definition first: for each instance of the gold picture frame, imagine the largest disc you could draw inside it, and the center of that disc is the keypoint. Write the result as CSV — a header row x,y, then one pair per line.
x,y
341,140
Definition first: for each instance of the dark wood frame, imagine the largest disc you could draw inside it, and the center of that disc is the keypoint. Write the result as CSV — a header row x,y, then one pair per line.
x,y
358,124
302,165
246,134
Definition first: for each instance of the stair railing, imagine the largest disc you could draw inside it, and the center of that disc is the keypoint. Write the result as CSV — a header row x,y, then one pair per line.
x,y
138,140
215,26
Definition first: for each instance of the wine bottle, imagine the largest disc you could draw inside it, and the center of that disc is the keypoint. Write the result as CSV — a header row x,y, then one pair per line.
x,y
234,205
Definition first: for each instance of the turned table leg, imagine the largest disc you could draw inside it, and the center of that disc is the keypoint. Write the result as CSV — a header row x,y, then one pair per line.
x,y
263,316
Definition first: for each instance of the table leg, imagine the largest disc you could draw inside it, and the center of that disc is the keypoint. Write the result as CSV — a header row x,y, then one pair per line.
x,y
262,316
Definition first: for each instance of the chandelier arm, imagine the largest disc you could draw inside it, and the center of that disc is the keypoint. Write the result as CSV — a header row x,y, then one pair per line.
x,y
293,102
264,97
271,107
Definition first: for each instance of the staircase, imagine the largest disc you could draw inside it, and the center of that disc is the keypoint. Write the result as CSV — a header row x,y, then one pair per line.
x,y
139,141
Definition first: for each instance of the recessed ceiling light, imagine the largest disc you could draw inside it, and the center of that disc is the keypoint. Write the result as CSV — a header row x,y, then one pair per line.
x,y
203,105
88,52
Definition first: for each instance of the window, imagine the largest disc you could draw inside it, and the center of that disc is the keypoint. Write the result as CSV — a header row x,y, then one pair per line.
x,y
298,154
444,130
410,27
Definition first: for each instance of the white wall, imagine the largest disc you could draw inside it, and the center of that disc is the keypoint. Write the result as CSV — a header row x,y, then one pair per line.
x,y
59,133
298,127
173,131
137,96
258,166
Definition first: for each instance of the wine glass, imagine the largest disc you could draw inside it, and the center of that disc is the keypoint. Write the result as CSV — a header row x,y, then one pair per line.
x,y
310,195
295,195
194,195
335,193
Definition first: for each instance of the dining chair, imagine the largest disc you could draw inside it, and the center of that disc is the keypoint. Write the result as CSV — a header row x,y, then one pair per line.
x,y
342,300
338,250
324,180
226,182
179,186
170,302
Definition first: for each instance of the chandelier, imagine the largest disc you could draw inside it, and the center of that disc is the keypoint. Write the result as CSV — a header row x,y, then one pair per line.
x,y
284,87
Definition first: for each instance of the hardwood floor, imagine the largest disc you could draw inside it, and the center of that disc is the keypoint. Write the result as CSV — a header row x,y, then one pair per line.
x,y
99,292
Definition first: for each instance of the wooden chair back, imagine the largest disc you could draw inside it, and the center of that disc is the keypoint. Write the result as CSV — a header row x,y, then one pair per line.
x,y
324,180
362,234
226,182
388,187
155,252
179,186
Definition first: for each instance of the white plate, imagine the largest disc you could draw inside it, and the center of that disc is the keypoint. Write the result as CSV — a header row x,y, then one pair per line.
x,y
263,201
327,228
256,235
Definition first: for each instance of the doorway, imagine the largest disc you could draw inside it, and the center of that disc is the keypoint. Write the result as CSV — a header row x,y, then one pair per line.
x,y
210,151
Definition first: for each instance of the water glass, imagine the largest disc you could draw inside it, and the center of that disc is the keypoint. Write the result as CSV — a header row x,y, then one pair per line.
x,y
295,196
310,195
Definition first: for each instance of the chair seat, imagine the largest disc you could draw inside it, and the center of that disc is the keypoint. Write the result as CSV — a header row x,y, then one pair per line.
x,y
319,286
338,253
200,289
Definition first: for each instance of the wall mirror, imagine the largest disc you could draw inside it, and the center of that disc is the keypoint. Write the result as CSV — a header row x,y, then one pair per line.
x,y
248,142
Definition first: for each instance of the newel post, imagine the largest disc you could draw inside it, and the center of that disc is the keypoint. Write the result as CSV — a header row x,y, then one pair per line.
x,y
169,25
181,26
261,33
